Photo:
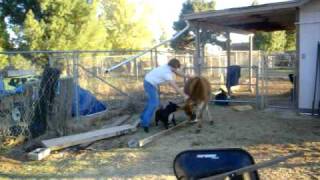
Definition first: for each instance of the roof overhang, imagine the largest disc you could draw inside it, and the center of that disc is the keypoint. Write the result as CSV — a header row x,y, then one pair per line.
x,y
267,17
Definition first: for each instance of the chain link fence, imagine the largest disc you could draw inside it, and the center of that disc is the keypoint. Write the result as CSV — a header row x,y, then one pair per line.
x,y
46,90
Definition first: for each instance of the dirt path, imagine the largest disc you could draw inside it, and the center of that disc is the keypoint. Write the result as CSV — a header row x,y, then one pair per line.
x,y
265,134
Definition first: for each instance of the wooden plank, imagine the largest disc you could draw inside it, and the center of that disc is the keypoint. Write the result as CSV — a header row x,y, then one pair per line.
x,y
39,154
120,120
67,141
143,142
136,122
253,167
117,121
95,116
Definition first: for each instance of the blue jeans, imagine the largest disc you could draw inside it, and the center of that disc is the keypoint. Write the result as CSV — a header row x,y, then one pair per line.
x,y
151,105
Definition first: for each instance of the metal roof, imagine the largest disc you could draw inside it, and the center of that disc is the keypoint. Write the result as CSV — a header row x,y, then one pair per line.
x,y
266,17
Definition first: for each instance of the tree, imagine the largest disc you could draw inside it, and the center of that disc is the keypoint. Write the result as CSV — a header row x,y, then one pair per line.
x,y
125,28
275,41
185,41
291,40
3,44
50,24
66,25
15,11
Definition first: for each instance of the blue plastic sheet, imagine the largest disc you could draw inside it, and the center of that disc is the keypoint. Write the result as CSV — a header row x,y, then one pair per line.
x,y
2,90
233,75
87,103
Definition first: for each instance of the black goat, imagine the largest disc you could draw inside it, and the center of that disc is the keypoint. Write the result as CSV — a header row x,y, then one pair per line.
x,y
162,114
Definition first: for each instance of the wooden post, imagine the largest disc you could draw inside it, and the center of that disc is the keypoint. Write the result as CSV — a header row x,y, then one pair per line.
x,y
61,107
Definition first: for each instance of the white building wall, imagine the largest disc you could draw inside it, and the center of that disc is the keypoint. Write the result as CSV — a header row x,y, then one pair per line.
x,y
309,38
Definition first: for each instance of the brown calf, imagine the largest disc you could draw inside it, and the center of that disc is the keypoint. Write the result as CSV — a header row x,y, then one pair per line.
x,y
199,91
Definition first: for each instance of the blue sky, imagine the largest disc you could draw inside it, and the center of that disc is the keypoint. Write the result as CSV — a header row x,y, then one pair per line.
x,y
165,12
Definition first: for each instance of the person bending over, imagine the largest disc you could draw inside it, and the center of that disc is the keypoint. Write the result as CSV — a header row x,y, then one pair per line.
x,y
157,76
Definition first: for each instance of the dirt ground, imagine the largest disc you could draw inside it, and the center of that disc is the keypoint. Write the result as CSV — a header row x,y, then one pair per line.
x,y
265,134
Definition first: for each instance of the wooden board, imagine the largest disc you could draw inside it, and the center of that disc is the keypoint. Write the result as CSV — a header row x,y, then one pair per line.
x,y
91,136
253,167
143,142
95,116
136,122
242,108
38,154
117,121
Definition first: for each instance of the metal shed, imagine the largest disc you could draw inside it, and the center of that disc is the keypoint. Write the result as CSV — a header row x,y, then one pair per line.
x,y
302,15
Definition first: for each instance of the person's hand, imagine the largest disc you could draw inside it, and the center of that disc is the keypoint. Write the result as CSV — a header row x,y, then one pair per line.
x,y
188,76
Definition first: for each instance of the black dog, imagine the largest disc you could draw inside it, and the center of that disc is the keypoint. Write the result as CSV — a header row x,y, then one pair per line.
x,y
222,96
162,114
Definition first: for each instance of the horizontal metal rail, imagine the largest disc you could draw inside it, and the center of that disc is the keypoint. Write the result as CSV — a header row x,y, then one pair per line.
x,y
222,67
65,51
233,101
237,85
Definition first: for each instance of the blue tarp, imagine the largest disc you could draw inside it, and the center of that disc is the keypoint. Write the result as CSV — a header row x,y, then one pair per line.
x,y
18,90
233,75
2,90
87,103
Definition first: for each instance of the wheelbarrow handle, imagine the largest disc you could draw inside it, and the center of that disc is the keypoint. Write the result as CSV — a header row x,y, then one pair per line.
x,y
253,167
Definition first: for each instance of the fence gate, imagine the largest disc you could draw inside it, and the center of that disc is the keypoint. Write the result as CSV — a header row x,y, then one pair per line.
x,y
279,80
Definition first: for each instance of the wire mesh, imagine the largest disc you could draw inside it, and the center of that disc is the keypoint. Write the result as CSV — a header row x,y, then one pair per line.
x,y
121,90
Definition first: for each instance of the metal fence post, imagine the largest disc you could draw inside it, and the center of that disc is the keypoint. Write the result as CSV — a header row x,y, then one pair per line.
x,y
151,59
50,60
76,82
258,97
156,57
10,60
137,69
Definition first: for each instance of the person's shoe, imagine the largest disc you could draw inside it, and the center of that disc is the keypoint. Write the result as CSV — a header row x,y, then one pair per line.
x,y
146,129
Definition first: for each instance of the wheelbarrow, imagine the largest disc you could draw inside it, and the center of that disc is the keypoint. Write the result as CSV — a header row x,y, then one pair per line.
x,y
230,164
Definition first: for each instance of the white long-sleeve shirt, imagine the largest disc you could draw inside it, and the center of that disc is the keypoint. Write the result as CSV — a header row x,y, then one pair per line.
x,y
160,75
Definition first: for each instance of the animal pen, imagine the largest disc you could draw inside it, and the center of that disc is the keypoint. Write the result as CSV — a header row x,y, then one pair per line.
x,y
76,85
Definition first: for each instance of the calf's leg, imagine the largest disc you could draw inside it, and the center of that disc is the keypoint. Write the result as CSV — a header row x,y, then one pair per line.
x,y
209,114
200,109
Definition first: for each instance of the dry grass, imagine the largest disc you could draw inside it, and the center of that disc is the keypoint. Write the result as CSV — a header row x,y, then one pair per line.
x,y
265,134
